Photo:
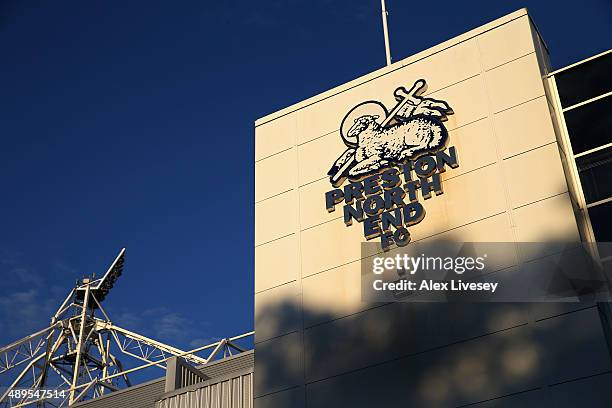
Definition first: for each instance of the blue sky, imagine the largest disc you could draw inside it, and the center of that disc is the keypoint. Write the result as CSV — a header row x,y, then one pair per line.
x,y
130,123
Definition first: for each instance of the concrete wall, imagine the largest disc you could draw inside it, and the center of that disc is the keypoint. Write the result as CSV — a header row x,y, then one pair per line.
x,y
319,345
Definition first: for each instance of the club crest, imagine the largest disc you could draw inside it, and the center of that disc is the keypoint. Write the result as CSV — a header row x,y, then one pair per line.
x,y
394,161
376,138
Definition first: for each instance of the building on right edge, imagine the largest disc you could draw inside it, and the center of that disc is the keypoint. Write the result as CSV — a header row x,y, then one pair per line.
x,y
582,97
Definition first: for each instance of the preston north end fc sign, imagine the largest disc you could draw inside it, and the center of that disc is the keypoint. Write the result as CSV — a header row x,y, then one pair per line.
x,y
392,159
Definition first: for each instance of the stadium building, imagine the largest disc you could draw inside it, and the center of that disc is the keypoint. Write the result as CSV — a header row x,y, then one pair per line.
x,y
533,148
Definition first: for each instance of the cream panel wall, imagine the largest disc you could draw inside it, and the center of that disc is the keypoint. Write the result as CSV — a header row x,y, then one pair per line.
x,y
510,187
534,175
506,43
279,365
468,99
496,228
277,263
320,249
276,217
279,311
476,147
462,203
522,128
316,156
312,209
275,175
535,224
515,82
323,117
465,202
333,294
275,137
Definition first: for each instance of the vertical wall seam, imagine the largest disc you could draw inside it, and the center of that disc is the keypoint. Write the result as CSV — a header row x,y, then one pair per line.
x,y
299,253
499,155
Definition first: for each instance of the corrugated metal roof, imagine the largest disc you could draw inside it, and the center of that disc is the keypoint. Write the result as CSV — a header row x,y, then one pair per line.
x,y
232,391
145,395
230,364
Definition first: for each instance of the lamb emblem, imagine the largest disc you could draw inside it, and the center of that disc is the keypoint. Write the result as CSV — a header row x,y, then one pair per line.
x,y
378,139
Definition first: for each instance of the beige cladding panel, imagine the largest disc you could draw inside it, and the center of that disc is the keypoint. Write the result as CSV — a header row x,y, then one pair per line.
x,y
476,147
506,43
493,229
312,205
473,196
276,263
276,217
468,100
330,245
522,128
514,83
548,220
462,202
324,117
317,156
275,137
535,175
332,294
279,366
278,311
275,175
292,397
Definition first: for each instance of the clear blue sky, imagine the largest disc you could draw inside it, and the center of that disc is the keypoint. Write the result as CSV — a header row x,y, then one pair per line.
x,y
130,123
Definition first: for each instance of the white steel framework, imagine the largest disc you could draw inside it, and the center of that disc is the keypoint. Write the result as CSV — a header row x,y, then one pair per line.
x,y
76,357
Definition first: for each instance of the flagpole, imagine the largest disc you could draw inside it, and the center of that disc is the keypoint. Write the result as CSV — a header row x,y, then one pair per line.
x,y
386,31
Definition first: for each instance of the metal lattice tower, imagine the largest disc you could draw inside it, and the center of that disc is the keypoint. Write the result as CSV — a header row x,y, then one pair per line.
x,y
76,357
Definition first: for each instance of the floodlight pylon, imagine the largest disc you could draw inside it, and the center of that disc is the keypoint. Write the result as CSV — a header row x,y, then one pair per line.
x,y
73,359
